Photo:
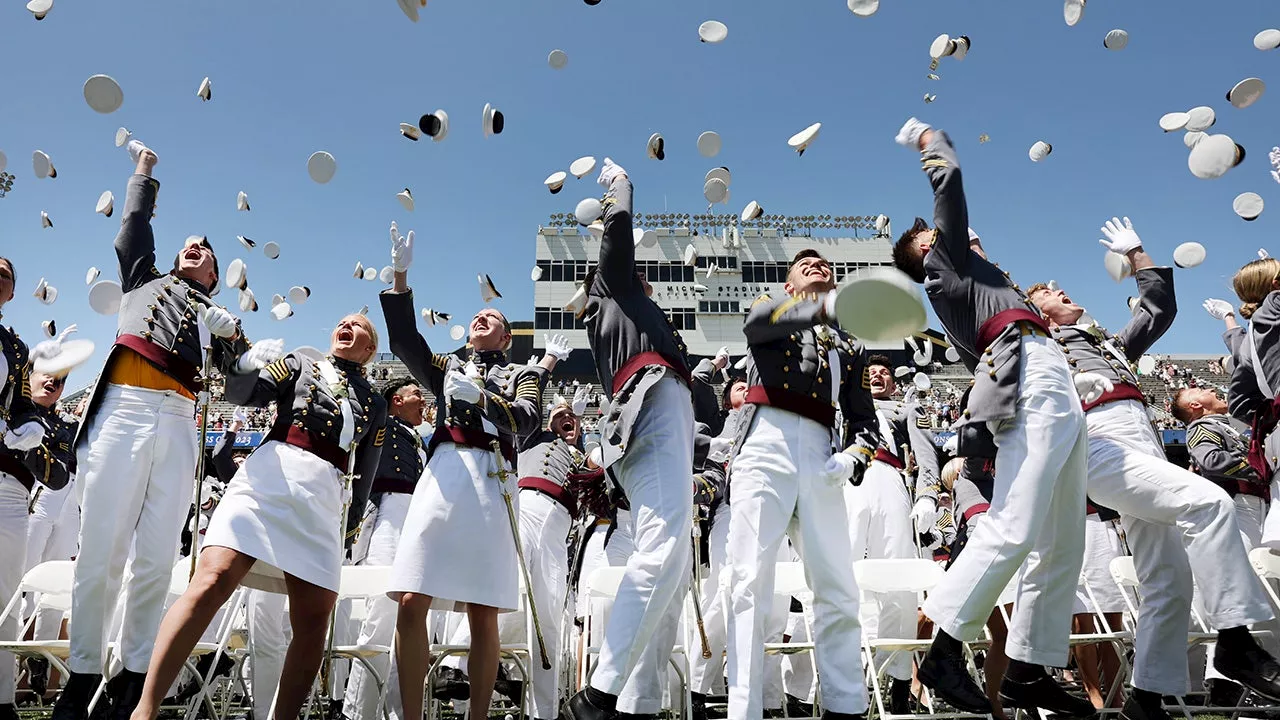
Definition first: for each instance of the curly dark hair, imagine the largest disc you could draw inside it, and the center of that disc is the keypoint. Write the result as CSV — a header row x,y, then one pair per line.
x,y
906,257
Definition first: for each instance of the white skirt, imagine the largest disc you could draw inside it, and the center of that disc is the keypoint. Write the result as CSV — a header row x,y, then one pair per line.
x,y
456,545
282,508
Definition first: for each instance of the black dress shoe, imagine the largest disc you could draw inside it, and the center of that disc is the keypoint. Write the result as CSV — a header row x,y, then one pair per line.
x,y
8,712
580,707
798,708
513,690
1224,693
831,715
945,674
1043,693
73,703
450,684
698,706
125,691
38,675
900,697
1135,710
1241,659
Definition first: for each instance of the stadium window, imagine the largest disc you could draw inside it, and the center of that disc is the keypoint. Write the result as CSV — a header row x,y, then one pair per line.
x,y
545,267
542,318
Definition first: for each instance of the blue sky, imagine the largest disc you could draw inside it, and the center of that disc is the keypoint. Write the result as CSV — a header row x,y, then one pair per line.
x,y
292,78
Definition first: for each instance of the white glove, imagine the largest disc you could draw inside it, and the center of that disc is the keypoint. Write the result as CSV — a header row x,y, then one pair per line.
x,y
534,360
50,348
720,449
241,416
558,346
460,388
401,250
925,514
604,405
721,360
580,399
609,172
839,469
26,437
909,135
932,539
262,354
1091,386
1121,237
1219,309
952,445
220,322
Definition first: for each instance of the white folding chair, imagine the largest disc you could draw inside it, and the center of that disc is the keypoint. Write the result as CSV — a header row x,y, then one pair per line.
x,y
789,581
179,579
1267,565
898,575
602,587
51,580
518,653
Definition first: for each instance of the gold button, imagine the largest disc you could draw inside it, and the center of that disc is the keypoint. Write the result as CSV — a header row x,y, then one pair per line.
x,y
993,374
786,386
815,394
328,423
786,368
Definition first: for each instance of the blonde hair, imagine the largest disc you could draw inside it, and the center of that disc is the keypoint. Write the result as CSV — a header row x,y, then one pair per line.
x,y
1254,282
951,472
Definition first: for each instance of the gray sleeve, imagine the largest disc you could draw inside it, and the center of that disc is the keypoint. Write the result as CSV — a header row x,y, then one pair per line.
x,y
136,243
1209,453
259,389
1234,340
617,268
928,476
223,466
1243,396
771,319
950,210
1156,309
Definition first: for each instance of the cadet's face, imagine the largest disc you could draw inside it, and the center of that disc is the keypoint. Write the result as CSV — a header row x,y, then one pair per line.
x,y
738,395
488,331
1202,399
565,424
1057,306
6,282
882,382
810,275
353,339
46,390
196,262
408,405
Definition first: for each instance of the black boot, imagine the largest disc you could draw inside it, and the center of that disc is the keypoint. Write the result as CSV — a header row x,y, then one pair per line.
x,y
8,712
451,684
699,706
125,691
38,675
1144,705
943,671
899,697
1224,693
798,708
73,703
832,715
1240,658
591,704
1029,687
512,690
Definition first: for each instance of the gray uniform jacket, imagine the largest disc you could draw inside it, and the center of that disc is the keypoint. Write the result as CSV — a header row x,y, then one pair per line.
x,y
53,463
631,338
968,292
1220,454
159,316
546,455
1090,348
911,428
402,461
790,352
309,416
512,405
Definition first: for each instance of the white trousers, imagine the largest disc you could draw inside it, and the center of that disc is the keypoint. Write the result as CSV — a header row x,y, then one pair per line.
x,y
1036,518
656,473
1179,527
13,540
544,533
268,641
136,471
705,672
778,491
1251,514
52,532
880,527
643,694
379,627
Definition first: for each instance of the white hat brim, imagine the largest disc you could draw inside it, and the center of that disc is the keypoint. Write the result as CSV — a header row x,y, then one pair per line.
x,y
104,297
900,311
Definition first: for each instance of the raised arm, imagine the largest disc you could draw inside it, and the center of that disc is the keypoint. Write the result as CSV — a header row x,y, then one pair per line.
x,y
136,243
770,319
407,343
617,268
1156,309
950,211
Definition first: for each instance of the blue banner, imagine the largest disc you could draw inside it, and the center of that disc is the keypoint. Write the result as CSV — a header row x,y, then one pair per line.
x,y
246,440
